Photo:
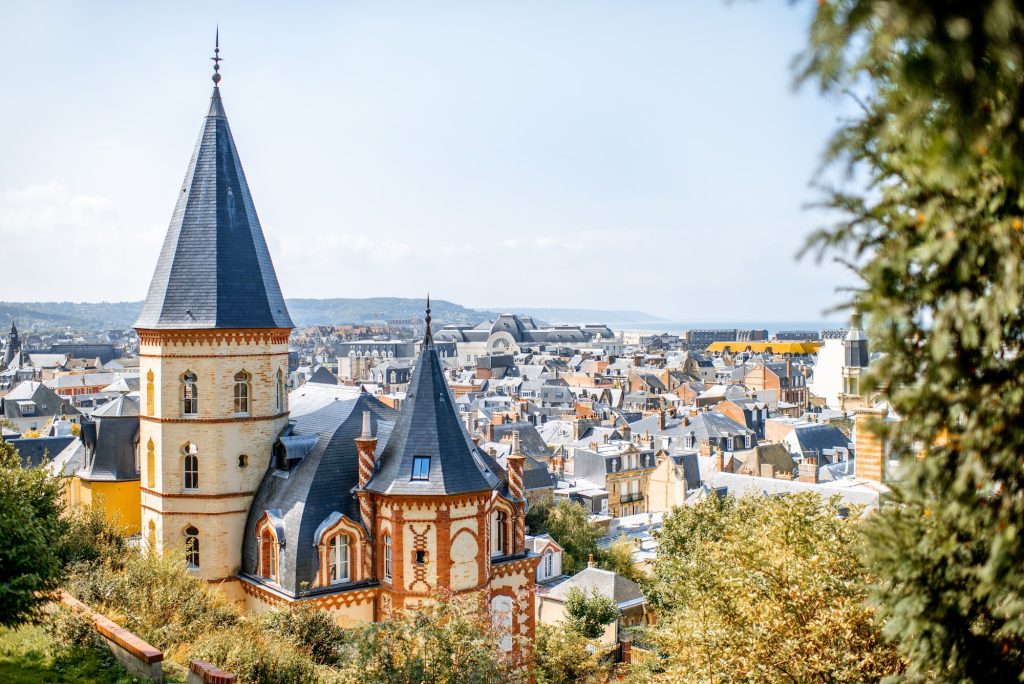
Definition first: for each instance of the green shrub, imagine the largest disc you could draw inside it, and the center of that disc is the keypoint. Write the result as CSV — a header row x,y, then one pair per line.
x,y
311,630
256,655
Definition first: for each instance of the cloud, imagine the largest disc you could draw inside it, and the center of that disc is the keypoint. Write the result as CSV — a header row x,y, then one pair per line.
x,y
71,245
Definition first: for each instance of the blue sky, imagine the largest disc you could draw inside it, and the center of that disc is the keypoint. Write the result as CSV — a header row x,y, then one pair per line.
x,y
630,154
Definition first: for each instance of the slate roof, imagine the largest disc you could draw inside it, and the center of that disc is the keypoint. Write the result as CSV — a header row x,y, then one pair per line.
x,y
429,425
214,269
317,486
606,582
34,450
322,376
112,440
47,402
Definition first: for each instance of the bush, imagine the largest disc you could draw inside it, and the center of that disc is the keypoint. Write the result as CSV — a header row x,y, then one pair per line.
x,y
587,614
565,657
255,655
311,630
89,538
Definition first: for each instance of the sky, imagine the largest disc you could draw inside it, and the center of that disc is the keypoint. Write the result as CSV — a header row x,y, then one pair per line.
x,y
628,154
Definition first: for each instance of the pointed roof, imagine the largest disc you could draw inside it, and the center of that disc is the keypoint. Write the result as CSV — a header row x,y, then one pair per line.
x,y
428,425
214,269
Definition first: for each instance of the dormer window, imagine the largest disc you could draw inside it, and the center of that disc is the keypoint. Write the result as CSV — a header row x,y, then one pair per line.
x,y
420,467
337,559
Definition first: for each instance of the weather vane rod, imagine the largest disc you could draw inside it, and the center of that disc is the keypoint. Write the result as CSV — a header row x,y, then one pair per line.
x,y
216,59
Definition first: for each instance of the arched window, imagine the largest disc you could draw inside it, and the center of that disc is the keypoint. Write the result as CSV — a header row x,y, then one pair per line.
x,y
498,533
242,392
387,557
268,554
337,559
149,392
189,394
191,469
192,546
280,390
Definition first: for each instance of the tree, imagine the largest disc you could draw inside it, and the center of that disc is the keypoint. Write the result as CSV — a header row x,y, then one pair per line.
x,y
619,559
563,656
569,525
765,589
30,532
933,227
451,639
588,613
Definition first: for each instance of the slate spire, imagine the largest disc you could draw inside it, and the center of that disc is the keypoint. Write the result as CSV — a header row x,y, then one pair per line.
x,y
428,425
214,269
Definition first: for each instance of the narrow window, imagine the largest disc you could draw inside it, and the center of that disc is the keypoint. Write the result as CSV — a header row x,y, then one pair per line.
x,y
242,392
268,555
549,565
420,467
498,533
421,556
192,546
337,559
243,460
189,394
387,557
191,470
280,390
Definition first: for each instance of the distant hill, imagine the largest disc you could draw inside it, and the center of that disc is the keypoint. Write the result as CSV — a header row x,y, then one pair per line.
x,y
114,315
578,316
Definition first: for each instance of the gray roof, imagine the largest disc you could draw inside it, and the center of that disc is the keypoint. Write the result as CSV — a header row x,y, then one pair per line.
x,y
322,376
34,450
315,487
214,269
111,442
606,582
429,425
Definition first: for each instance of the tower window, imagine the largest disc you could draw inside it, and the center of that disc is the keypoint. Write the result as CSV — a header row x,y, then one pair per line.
x,y
191,470
337,559
387,557
498,533
242,392
243,460
192,546
420,467
280,390
189,394
421,556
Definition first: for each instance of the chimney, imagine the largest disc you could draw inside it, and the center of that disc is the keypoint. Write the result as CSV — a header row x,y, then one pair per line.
x,y
627,433
366,445
869,447
515,468
590,560
577,428
719,460
768,471
809,472
661,419
490,429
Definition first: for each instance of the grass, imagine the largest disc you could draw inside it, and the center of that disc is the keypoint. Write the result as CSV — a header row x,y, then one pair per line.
x,y
30,655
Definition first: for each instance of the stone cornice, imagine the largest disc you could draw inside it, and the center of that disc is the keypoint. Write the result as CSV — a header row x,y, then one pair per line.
x,y
214,337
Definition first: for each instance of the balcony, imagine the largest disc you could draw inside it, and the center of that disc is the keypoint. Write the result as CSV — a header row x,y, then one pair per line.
x,y
632,496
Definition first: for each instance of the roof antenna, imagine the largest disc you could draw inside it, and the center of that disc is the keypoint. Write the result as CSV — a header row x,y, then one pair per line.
x,y
216,59
427,339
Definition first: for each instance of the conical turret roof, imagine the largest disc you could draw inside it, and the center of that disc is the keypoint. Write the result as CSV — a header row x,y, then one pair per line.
x,y
214,269
428,425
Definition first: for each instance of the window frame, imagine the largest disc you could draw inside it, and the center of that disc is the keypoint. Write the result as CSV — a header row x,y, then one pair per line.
x,y
418,473
190,467
192,547
241,393
388,559
338,545
189,393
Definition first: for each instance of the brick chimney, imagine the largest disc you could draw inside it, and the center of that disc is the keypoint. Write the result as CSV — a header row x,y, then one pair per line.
x,y
768,471
661,419
490,429
366,444
719,459
869,447
516,458
809,472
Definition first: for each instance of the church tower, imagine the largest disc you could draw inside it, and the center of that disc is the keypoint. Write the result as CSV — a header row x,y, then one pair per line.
x,y
213,338
13,346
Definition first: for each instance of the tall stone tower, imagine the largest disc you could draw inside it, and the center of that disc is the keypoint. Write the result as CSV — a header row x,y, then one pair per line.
x,y
213,347
855,362
13,346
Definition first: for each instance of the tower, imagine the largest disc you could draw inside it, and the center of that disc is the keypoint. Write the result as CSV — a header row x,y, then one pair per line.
x,y
213,347
855,362
13,346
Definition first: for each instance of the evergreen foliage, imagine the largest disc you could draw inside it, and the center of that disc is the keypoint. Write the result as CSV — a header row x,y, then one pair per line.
x,y
936,236
588,613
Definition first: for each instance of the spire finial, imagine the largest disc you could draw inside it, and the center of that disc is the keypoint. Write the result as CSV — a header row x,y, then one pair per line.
x,y
216,59
427,337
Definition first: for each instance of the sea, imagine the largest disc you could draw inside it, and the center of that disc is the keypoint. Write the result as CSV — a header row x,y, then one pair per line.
x,y
771,326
